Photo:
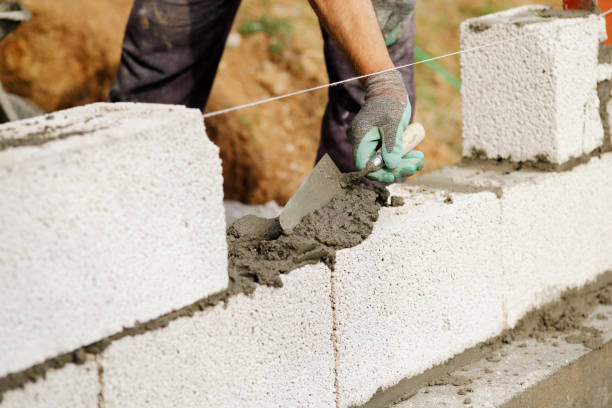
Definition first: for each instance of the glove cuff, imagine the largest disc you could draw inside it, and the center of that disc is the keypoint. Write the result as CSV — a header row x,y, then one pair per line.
x,y
388,83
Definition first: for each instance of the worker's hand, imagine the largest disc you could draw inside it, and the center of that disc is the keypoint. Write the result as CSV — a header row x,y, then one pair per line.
x,y
392,15
380,124
409,164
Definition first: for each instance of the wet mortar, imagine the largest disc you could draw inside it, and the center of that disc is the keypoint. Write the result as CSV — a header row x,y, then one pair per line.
x,y
527,17
259,251
541,162
13,137
604,91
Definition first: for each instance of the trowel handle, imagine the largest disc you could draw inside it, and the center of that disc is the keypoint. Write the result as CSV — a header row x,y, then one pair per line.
x,y
413,135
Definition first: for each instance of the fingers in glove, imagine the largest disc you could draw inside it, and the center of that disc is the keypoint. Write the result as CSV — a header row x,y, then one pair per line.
x,y
417,155
382,176
409,164
406,168
392,138
366,149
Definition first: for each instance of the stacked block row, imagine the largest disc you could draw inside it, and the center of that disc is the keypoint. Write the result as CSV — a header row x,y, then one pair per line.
x,y
272,349
471,252
108,217
111,217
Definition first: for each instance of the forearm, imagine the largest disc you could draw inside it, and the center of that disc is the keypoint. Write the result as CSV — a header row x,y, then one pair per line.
x,y
353,24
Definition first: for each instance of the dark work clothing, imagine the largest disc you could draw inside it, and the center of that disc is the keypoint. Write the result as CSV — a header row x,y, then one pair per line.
x,y
345,100
171,52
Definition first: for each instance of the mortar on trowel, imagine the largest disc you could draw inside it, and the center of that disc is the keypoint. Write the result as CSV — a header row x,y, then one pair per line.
x,y
325,181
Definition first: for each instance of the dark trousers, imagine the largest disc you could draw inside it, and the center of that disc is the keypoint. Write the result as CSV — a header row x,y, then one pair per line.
x,y
171,52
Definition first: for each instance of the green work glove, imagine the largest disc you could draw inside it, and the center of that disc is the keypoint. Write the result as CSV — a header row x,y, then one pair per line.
x,y
380,124
392,15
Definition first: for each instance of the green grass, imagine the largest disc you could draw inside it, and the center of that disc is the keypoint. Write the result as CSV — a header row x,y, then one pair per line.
x,y
279,29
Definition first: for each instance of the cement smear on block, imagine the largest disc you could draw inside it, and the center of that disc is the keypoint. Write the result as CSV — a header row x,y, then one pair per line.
x,y
562,319
47,135
542,162
526,17
605,54
604,91
259,251
258,254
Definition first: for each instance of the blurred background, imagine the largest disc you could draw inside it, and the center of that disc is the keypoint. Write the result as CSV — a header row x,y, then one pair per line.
x,y
68,54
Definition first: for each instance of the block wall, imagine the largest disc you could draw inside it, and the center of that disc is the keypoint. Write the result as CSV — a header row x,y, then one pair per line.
x,y
113,251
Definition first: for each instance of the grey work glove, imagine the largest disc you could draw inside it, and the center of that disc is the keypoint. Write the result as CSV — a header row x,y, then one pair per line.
x,y
392,14
380,124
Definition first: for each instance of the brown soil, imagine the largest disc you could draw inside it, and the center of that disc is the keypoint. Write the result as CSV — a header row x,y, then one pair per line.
x,y
67,55
271,148
267,151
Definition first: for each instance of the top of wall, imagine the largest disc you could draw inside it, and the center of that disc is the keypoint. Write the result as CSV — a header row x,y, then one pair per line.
x,y
110,215
83,120
520,16
529,85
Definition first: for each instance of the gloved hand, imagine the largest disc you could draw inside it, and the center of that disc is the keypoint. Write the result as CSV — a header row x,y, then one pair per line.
x,y
380,124
392,14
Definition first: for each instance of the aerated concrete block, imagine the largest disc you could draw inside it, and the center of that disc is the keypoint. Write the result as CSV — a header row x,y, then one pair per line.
x,y
556,226
557,233
531,92
273,349
72,386
425,285
548,372
109,215
471,252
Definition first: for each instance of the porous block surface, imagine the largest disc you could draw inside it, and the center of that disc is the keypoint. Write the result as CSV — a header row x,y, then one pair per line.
x,y
557,233
425,285
556,230
273,349
532,95
474,248
110,214
548,372
72,386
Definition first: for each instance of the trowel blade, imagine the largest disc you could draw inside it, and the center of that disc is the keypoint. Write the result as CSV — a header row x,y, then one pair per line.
x,y
321,185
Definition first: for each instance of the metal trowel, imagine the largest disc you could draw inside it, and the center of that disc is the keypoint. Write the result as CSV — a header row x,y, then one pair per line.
x,y
325,181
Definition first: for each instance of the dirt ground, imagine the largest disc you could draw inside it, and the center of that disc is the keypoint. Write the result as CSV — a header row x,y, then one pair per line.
x,y
68,56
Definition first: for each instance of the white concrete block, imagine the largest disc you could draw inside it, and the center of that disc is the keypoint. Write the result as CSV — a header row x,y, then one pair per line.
x,y
270,350
524,365
557,233
556,230
424,286
454,267
72,386
109,215
532,96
